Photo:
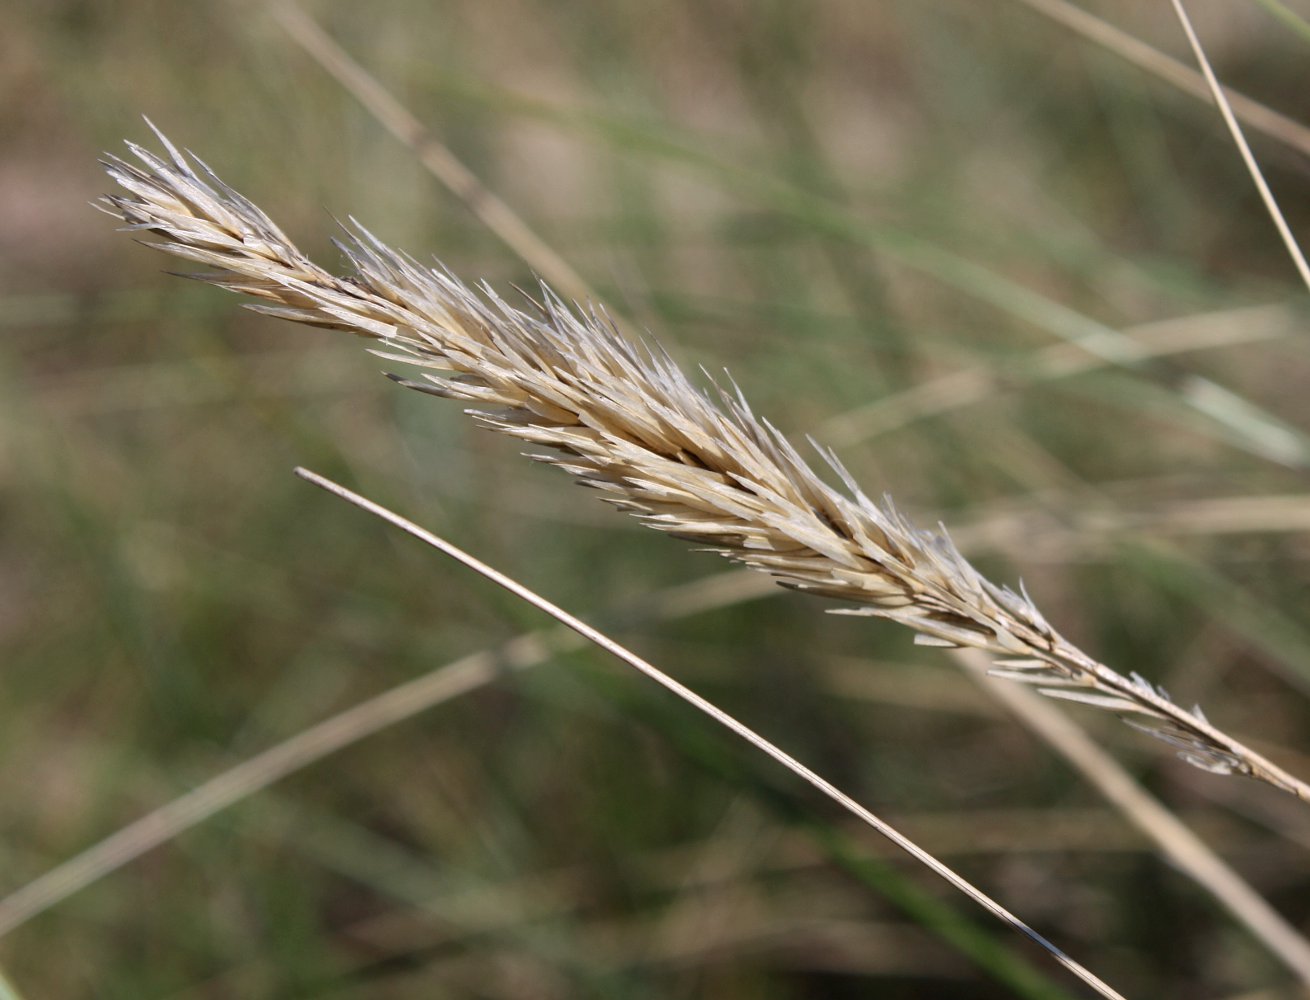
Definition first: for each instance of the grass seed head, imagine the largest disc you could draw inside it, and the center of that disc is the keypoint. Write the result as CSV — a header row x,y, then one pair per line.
x,y
621,417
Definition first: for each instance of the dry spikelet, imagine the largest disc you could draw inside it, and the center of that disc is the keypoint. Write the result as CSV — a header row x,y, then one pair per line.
x,y
622,418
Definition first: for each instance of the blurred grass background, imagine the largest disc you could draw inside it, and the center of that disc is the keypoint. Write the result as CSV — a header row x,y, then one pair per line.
x,y
840,202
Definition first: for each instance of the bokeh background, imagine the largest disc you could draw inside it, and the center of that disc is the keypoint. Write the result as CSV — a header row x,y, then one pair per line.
x,y
883,218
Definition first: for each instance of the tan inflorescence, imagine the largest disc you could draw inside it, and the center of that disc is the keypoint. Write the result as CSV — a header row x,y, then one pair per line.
x,y
621,417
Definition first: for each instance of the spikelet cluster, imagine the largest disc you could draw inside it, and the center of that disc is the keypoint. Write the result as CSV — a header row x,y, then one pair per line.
x,y
621,417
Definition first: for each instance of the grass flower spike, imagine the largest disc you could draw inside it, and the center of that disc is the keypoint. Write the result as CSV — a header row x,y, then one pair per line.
x,y
619,416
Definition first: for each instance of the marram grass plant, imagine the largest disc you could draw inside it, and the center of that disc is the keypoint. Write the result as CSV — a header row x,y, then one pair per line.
x,y
622,418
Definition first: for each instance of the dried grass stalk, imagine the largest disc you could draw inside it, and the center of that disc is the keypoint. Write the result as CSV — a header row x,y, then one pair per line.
x,y
622,418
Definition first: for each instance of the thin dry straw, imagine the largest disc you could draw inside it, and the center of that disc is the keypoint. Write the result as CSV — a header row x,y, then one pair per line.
x,y
718,715
1291,133
1239,140
1178,844
623,419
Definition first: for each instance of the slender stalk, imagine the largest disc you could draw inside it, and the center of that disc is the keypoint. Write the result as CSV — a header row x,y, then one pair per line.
x,y
1243,147
1291,133
707,707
